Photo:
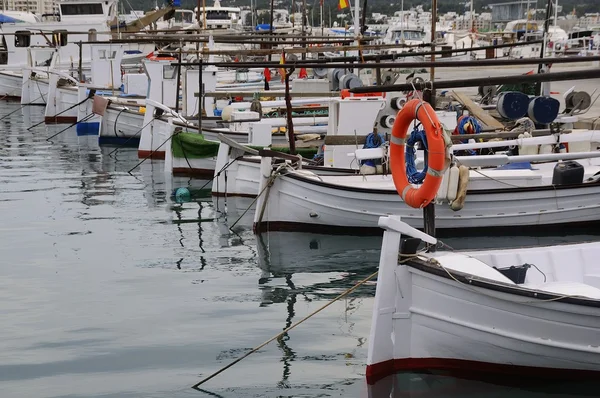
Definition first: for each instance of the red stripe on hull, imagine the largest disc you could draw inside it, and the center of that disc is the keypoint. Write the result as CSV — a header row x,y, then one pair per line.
x,y
468,369
60,119
158,155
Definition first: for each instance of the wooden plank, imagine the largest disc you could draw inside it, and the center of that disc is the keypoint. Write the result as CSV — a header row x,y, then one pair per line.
x,y
476,111
345,140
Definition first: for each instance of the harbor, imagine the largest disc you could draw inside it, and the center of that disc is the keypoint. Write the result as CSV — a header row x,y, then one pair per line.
x,y
232,201
111,289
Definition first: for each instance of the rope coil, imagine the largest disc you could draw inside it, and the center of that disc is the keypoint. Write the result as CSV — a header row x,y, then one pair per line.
x,y
415,176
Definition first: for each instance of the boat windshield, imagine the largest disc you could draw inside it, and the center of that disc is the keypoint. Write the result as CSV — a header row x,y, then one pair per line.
x,y
408,35
533,37
81,9
222,15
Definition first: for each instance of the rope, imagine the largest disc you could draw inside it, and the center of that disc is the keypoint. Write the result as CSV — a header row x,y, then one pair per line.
x,y
92,92
278,335
116,120
482,290
154,151
415,176
19,108
372,140
132,137
85,119
270,181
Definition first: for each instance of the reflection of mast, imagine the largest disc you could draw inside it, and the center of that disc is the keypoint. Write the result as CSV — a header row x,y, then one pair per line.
x,y
179,220
278,295
288,354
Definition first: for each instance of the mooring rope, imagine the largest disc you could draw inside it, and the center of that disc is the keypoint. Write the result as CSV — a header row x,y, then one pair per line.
x,y
278,335
60,113
85,119
19,108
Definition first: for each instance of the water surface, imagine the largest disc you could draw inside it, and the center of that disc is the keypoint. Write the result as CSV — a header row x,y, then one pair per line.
x,y
108,288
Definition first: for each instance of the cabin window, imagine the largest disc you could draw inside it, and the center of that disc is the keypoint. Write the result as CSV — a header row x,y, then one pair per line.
x,y
105,54
60,38
92,35
81,9
22,38
169,72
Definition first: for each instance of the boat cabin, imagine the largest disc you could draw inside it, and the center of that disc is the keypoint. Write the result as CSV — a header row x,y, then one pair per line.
x,y
404,34
522,27
217,17
89,19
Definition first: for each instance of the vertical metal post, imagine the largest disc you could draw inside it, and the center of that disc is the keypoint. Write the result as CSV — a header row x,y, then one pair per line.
x,y
429,210
200,97
429,223
288,113
378,71
304,27
542,67
80,64
271,27
432,71
198,6
178,81
322,26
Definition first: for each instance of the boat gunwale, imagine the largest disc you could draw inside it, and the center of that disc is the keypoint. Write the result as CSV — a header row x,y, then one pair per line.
x,y
517,290
488,191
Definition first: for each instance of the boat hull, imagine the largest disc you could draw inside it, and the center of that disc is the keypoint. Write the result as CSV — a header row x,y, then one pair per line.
x,y
424,317
121,127
306,203
10,86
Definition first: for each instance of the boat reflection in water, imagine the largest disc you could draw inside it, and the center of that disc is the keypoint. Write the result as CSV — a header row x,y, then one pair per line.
x,y
304,267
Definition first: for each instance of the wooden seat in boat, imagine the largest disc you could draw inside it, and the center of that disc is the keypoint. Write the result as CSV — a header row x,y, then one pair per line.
x,y
472,266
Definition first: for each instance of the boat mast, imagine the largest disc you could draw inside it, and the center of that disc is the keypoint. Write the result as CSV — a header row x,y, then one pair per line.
x,y
472,25
357,21
402,22
544,89
322,27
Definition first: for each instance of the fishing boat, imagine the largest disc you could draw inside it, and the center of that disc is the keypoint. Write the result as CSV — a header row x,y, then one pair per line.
x,y
496,194
524,311
527,312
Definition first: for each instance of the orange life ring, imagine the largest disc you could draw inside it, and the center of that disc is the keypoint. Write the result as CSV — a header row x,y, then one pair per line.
x,y
436,144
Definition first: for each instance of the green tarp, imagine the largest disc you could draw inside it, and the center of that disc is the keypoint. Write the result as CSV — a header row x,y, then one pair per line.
x,y
194,146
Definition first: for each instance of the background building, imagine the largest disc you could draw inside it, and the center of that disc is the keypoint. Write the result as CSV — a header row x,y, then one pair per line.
x,y
34,6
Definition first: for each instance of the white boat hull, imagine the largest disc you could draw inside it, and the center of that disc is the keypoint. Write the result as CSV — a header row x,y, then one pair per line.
x,y
426,318
121,127
10,85
308,202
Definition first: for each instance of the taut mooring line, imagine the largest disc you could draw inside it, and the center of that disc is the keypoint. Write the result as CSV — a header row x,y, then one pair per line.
x,y
342,295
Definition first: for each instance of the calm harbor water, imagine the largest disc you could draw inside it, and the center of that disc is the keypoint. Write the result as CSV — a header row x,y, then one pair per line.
x,y
108,288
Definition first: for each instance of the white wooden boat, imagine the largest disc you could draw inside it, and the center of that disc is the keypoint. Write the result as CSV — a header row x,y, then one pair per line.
x,y
260,134
495,197
459,311
121,125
